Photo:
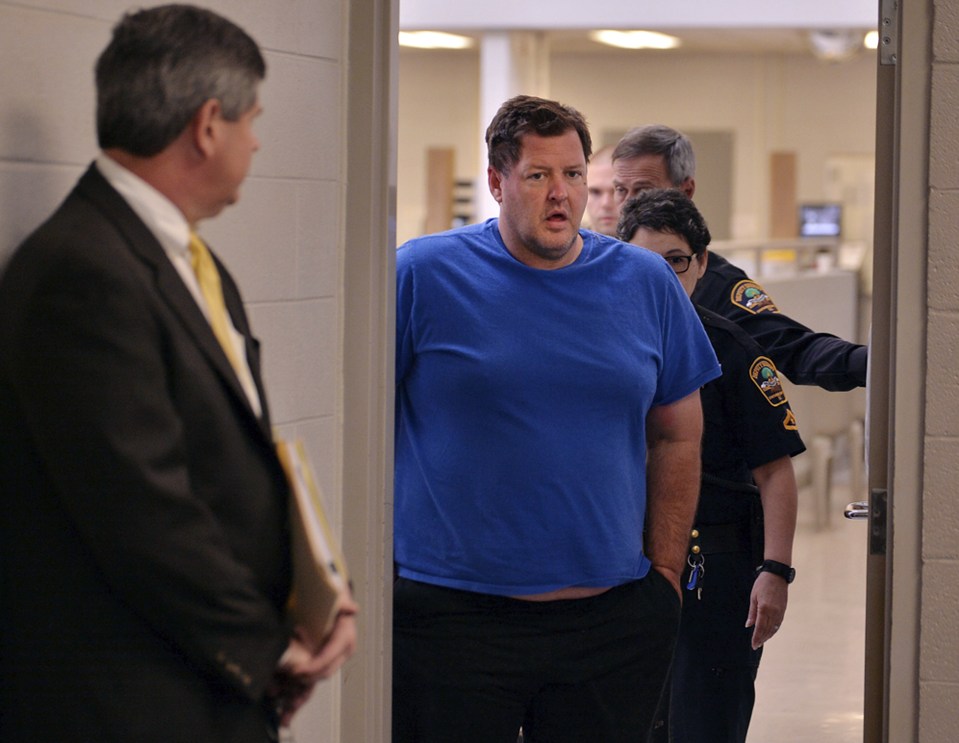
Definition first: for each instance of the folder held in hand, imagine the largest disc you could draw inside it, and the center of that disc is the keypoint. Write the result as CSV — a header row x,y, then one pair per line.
x,y
320,579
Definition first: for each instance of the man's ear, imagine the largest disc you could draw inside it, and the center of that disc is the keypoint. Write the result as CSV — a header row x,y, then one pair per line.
x,y
203,127
688,187
495,179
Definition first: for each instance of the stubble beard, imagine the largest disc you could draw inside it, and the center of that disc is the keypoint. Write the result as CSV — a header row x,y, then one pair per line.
x,y
552,253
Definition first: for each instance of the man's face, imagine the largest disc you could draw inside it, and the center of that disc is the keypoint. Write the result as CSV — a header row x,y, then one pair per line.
x,y
542,200
632,176
234,154
676,251
602,207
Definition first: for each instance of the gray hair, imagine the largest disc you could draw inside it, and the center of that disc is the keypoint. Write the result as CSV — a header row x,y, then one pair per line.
x,y
656,139
162,65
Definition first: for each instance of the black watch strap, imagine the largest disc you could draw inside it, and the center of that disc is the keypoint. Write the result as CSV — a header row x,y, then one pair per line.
x,y
784,571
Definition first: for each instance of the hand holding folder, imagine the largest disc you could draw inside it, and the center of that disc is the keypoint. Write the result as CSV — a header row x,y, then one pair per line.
x,y
320,580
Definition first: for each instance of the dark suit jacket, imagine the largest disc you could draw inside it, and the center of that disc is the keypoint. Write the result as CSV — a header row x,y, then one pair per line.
x,y
144,557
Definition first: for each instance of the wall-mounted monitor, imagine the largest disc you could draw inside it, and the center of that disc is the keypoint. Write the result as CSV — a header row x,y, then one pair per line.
x,y
820,220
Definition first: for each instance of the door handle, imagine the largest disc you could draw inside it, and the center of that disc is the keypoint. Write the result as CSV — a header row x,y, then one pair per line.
x,y
857,510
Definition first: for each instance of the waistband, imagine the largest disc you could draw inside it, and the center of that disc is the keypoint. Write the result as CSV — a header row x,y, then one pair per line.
x,y
737,487
713,539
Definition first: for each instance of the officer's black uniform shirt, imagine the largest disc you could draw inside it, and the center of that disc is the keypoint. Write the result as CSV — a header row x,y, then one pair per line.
x,y
804,356
747,420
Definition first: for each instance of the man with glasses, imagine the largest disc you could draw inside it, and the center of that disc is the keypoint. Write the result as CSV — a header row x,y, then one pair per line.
x,y
747,507
657,156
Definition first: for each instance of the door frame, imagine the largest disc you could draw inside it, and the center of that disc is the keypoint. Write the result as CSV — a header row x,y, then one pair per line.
x,y
896,377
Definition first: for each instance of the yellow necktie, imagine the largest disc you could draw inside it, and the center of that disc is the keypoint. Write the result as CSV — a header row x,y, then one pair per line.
x,y
209,280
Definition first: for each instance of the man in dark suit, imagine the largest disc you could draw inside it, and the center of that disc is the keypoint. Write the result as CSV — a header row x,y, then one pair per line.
x,y
144,545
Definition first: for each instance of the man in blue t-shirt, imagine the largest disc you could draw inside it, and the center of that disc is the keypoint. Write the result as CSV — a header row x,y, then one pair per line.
x,y
548,427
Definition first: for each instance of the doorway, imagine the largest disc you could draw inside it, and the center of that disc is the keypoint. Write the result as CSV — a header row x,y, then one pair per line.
x,y
761,118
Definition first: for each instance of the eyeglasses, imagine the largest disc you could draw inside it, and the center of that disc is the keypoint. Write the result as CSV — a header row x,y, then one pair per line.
x,y
679,263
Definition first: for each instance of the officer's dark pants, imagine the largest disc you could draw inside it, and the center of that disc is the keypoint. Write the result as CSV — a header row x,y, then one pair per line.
x,y
473,668
711,690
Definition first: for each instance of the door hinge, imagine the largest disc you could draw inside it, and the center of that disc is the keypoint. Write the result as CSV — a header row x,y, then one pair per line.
x,y
888,32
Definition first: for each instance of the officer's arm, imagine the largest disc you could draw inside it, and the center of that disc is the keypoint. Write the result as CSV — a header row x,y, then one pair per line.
x,y
805,356
673,435
778,492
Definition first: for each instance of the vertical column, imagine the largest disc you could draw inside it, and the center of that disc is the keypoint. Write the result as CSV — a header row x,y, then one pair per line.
x,y
511,63
440,177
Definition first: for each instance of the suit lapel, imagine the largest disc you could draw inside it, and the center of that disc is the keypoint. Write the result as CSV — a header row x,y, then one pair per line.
x,y
234,306
94,187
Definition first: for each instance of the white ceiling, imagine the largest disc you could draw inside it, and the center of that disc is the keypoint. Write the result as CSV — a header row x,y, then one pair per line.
x,y
727,26
487,15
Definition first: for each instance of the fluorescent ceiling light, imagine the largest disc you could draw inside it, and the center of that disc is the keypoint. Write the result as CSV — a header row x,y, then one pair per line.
x,y
871,40
434,40
635,39
834,45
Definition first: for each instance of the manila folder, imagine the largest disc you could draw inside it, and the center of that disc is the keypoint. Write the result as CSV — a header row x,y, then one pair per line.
x,y
320,580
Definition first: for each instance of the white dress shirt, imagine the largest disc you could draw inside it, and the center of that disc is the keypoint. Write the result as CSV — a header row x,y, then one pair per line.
x,y
169,226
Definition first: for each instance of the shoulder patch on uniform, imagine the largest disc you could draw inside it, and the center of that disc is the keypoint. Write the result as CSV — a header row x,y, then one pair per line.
x,y
750,296
766,378
789,422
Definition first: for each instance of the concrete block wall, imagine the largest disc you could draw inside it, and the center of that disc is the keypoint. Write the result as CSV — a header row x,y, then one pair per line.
x,y
939,650
283,240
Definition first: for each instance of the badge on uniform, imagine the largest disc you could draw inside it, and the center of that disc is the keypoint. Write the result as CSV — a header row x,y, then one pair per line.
x,y
789,422
750,296
766,378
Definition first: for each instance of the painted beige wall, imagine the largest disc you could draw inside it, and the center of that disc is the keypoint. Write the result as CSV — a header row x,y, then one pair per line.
x,y
770,102
284,241
438,107
938,647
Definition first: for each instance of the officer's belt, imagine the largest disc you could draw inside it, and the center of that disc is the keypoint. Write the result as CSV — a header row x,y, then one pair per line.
x,y
716,538
739,487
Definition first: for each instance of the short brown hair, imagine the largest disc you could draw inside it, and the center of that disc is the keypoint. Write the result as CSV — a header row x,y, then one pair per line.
x,y
526,114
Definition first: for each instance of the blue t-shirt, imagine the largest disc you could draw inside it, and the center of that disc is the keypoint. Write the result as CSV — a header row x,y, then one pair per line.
x,y
521,406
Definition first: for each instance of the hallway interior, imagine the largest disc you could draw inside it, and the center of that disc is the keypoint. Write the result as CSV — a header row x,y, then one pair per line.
x,y
810,684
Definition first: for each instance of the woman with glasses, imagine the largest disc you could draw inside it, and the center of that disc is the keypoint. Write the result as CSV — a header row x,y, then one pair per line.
x,y
740,549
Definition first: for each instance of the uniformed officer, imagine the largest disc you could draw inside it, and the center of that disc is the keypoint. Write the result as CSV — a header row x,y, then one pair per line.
x,y
658,156
740,555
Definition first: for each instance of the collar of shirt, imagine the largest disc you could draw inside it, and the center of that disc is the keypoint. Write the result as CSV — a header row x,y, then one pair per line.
x,y
160,215
169,226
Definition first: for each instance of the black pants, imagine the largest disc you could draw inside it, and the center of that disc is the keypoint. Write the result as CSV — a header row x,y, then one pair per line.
x,y
473,668
712,682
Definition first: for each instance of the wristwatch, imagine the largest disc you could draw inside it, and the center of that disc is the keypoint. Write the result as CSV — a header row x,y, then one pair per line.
x,y
781,569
